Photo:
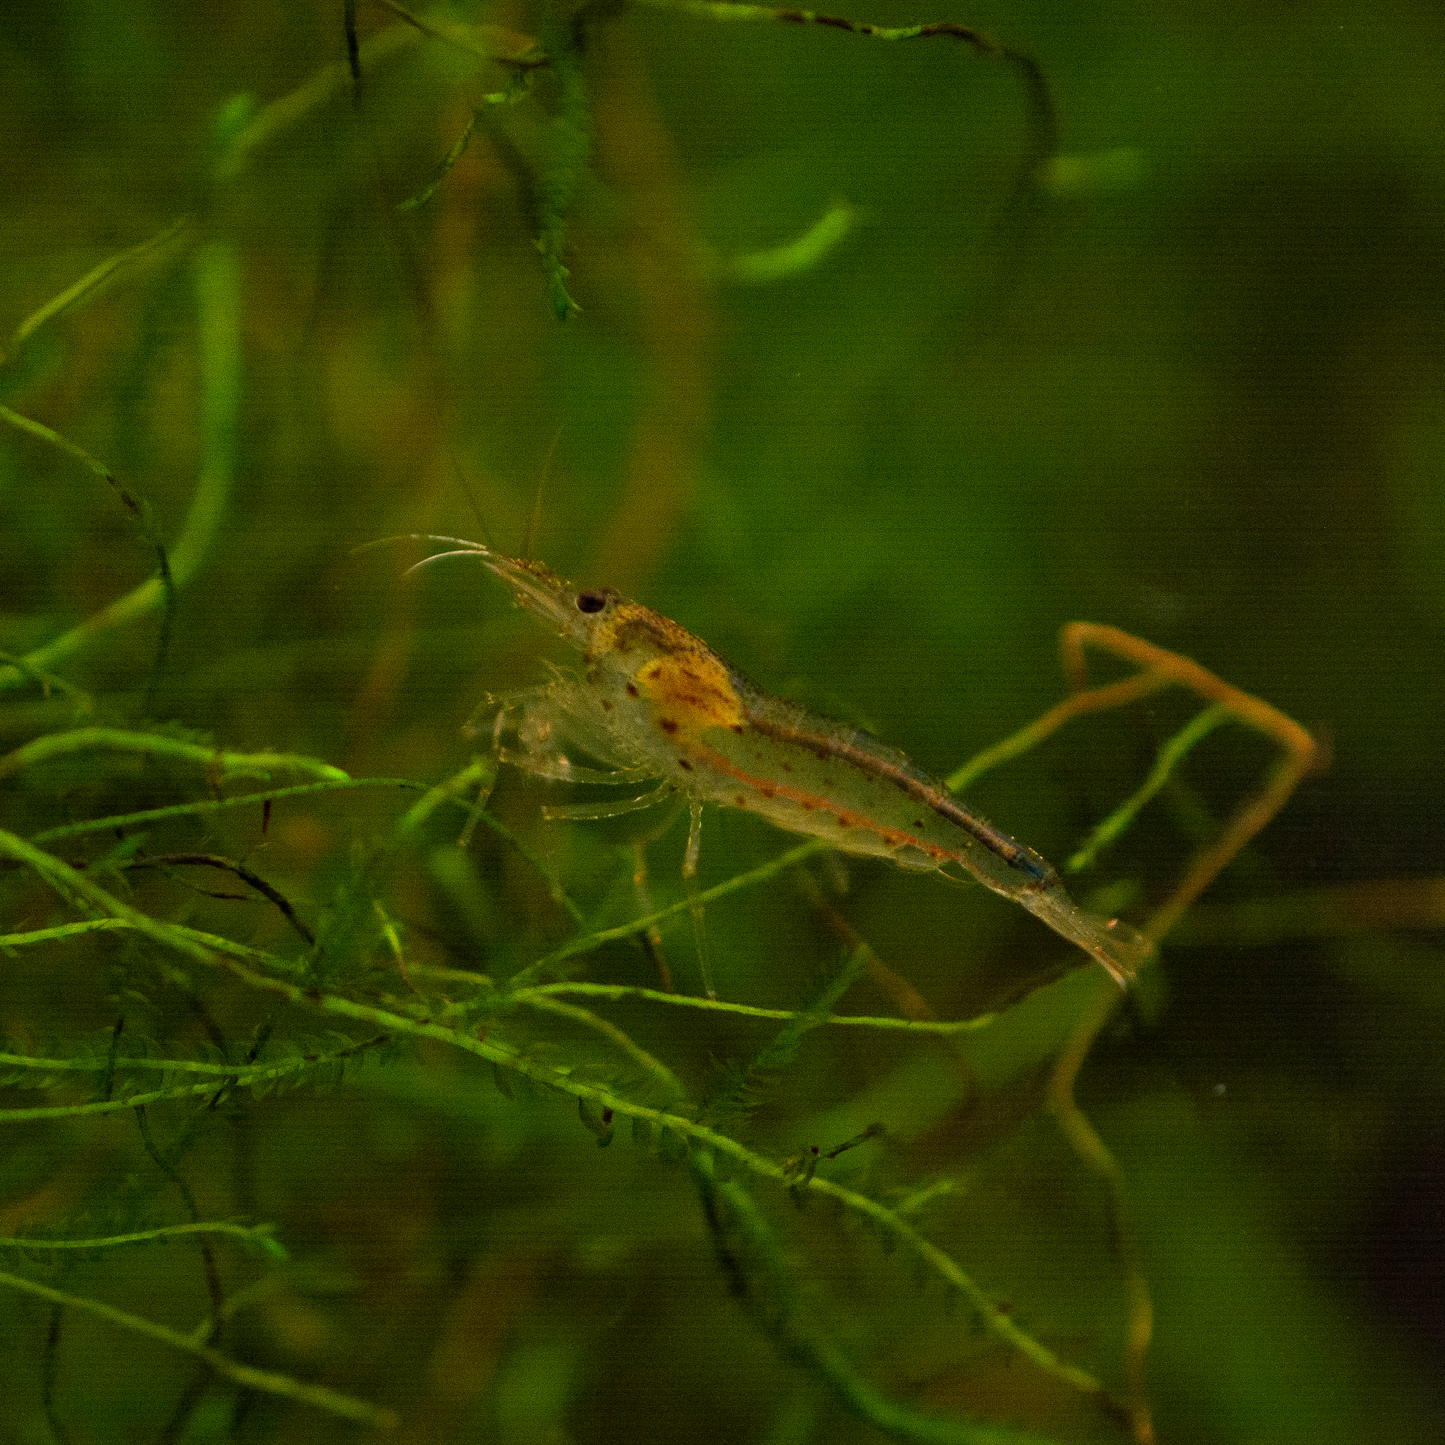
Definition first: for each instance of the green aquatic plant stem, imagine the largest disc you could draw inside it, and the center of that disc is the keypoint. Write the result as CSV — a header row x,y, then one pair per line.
x,y
211,941
525,977
1170,756
760,1267
692,1136
87,896
217,282
115,1106
268,125
1099,699
104,1106
218,760
1158,667
729,10
622,1041
139,510
217,291
61,931
83,892
247,1376
203,807
735,1093
258,1234
53,438
487,42
480,774
562,165
615,991
758,268
240,1076
1043,121
244,1074
261,765
179,233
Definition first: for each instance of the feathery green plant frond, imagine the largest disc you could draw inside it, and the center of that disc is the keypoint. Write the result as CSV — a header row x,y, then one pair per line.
x,y
739,1090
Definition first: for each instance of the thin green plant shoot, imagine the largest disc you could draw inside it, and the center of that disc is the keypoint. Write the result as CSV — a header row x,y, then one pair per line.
x,y
655,704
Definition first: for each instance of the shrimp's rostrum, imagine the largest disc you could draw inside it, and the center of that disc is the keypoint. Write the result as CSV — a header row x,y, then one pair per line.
x,y
656,702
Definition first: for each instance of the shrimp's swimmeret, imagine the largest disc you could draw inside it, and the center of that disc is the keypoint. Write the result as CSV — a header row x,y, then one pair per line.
x,y
654,702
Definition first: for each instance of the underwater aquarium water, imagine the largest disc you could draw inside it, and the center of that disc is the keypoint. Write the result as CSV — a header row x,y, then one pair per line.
x,y
407,1031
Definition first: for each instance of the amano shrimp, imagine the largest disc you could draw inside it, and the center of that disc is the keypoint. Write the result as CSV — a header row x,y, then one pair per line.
x,y
655,702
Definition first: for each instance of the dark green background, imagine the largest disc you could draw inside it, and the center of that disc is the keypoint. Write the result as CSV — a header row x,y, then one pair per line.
x,y
1197,394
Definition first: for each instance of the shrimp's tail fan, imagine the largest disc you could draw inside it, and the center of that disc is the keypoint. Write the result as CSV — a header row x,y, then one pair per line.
x,y
1120,949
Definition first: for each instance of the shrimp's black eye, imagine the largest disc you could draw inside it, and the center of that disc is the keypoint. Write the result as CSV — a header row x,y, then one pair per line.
x,y
591,601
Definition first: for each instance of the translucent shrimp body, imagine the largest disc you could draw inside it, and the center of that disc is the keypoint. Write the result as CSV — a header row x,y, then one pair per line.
x,y
655,702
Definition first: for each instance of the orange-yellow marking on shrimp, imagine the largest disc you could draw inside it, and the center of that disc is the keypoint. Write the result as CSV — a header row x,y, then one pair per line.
x,y
656,702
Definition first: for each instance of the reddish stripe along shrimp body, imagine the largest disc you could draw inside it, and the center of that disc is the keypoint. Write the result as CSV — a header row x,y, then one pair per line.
x,y
656,702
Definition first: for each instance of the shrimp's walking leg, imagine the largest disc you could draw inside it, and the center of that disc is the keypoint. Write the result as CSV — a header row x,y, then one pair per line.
x,y
689,878
489,781
652,934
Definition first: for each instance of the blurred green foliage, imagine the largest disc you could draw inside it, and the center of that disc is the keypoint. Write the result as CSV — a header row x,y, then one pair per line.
x,y
849,404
